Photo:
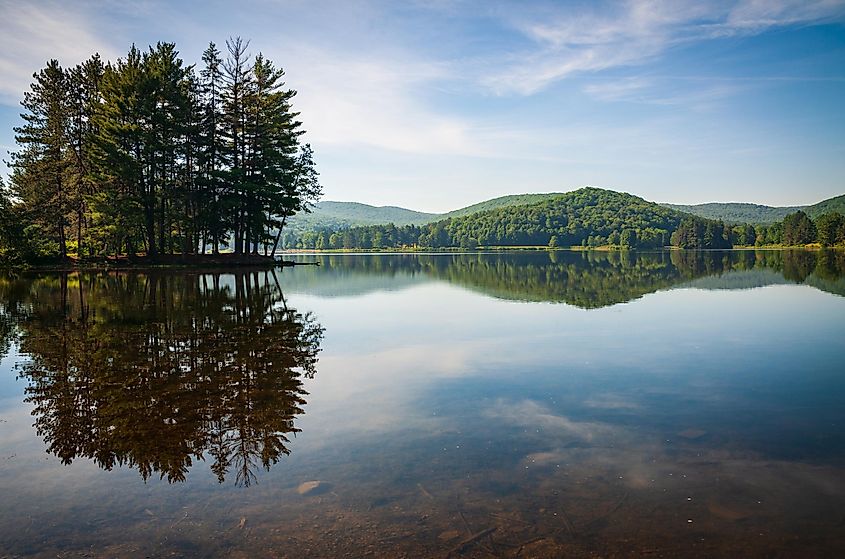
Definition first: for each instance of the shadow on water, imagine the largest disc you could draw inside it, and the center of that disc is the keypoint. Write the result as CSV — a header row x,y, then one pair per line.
x,y
154,371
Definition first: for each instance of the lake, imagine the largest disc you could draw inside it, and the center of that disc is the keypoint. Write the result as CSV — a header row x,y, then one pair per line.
x,y
515,404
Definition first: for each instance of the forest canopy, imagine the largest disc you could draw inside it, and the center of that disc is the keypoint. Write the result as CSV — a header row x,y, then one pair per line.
x,y
587,217
150,154
584,217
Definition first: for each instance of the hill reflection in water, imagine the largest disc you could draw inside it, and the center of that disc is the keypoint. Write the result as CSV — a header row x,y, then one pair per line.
x,y
585,279
701,421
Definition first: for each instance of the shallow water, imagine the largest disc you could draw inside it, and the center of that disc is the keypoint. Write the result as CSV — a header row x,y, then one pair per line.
x,y
509,404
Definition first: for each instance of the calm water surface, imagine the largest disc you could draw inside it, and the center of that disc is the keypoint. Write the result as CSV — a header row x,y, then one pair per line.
x,y
464,405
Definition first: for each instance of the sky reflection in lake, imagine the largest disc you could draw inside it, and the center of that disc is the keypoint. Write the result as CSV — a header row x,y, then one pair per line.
x,y
578,404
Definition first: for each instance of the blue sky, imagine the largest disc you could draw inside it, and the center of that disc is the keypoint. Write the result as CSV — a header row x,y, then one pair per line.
x,y
437,104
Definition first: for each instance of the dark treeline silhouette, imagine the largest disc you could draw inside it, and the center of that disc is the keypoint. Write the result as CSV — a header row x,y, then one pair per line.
x,y
158,371
149,154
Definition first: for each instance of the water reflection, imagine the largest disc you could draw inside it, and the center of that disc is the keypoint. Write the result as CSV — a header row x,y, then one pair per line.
x,y
588,279
155,371
438,414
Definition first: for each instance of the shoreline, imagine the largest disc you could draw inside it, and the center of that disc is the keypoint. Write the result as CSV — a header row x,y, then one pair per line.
x,y
576,248
229,260
168,261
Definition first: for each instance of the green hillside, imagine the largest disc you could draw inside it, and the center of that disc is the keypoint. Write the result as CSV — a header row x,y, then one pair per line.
x,y
835,204
339,215
500,202
588,215
737,212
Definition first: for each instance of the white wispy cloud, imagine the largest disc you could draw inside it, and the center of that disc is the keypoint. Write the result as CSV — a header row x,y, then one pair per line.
x,y
33,33
634,33
755,15
371,101
694,95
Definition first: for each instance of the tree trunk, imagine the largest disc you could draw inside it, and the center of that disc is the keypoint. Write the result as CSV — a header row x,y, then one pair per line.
x,y
62,242
278,235
79,217
151,233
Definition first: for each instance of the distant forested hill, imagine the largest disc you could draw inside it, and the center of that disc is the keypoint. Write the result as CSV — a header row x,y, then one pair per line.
x,y
500,202
338,215
587,217
332,216
736,212
590,216
835,204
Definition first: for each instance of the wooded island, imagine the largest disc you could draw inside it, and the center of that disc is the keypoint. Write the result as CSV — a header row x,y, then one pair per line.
x,y
151,155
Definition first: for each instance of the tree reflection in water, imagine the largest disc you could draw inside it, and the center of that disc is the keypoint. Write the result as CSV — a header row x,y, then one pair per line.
x,y
158,370
589,279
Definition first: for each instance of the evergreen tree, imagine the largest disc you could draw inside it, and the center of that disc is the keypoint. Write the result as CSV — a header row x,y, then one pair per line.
x,y
830,229
211,183
40,169
798,229
146,153
84,82
238,85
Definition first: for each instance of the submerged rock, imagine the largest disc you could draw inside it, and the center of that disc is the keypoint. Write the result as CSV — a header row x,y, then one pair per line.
x,y
312,487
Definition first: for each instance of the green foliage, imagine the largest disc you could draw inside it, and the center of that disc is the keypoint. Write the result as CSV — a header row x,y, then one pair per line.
x,y
742,213
735,212
831,205
144,154
798,229
335,215
498,203
40,169
699,233
588,217
830,229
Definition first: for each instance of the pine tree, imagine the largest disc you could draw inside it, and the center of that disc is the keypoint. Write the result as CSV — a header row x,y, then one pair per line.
x,y
798,229
84,99
40,169
210,178
146,154
238,85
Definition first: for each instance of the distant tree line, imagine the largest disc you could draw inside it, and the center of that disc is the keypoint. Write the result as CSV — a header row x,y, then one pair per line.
x,y
148,154
588,217
796,229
